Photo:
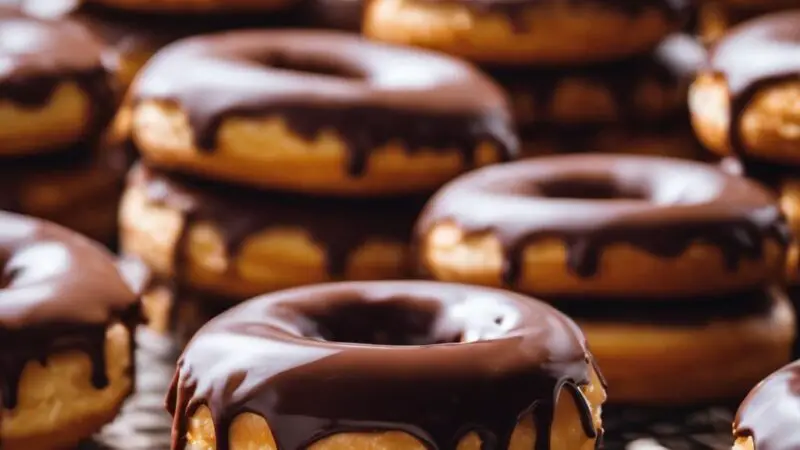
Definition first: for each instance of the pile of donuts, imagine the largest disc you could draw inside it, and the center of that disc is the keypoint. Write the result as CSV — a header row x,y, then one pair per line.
x,y
335,231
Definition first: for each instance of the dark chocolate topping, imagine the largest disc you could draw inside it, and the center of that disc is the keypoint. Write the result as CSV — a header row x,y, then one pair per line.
x,y
370,94
688,313
59,291
339,226
659,205
39,54
672,65
335,14
771,413
431,359
755,55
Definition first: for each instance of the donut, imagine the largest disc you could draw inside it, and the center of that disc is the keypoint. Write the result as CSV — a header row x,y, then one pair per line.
x,y
524,32
645,88
237,243
317,112
673,138
178,312
768,418
133,37
79,189
70,315
54,89
641,346
744,104
604,225
432,364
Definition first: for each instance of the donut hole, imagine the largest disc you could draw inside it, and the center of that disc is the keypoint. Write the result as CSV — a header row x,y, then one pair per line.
x,y
310,65
590,189
392,322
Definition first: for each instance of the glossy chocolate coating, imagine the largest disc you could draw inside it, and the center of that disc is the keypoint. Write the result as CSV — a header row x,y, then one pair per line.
x,y
672,66
753,56
339,226
369,94
59,292
771,413
434,360
659,205
40,54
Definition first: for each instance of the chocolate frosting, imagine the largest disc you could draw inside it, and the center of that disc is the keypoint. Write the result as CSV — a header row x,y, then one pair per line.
x,y
40,54
658,205
337,14
753,56
672,65
771,413
339,226
433,360
58,291
370,94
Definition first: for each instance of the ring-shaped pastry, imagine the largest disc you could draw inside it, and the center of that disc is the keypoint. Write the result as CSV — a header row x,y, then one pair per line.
x,y
70,314
604,225
431,364
317,112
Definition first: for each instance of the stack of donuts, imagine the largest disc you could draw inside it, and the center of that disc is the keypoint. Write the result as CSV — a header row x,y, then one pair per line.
x,y
274,159
56,98
596,75
716,17
672,268
745,108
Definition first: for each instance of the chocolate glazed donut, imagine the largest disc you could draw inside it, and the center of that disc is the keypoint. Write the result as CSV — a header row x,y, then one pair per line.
x,y
751,59
436,361
336,97
41,57
60,293
661,207
768,419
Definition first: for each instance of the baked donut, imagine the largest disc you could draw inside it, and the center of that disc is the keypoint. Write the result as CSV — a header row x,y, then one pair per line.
x,y
70,316
641,346
237,243
768,418
647,88
317,112
604,225
79,189
432,364
524,32
54,89
746,104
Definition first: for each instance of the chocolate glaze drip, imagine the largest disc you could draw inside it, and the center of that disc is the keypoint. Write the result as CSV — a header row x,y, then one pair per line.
x,y
771,413
753,56
340,226
434,360
672,65
40,54
59,292
659,205
695,312
327,81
